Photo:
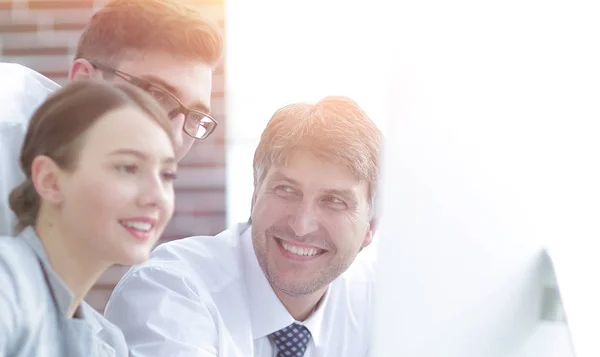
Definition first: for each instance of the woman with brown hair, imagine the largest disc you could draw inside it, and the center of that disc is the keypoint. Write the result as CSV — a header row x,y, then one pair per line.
x,y
99,163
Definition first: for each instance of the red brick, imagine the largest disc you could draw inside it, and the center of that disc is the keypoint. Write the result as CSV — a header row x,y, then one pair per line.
x,y
20,28
196,202
182,226
37,51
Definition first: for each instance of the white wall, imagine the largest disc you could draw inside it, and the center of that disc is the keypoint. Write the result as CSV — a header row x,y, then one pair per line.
x,y
494,148
280,52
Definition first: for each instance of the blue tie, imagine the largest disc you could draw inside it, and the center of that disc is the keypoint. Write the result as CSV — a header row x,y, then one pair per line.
x,y
291,341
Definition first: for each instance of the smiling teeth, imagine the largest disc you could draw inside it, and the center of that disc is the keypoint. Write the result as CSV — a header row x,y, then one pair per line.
x,y
140,226
300,251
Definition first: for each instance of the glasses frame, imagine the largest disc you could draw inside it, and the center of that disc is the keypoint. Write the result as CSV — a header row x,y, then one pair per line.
x,y
146,85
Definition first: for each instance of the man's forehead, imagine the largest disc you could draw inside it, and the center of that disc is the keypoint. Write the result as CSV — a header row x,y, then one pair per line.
x,y
188,80
297,161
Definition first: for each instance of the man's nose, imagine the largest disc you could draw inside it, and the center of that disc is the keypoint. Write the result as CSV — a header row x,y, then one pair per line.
x,y
304,220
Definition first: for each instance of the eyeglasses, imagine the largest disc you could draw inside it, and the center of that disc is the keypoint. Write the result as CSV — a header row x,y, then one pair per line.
x,y
197,124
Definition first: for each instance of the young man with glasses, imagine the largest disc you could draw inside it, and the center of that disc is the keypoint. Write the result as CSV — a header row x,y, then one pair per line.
x,y
163,46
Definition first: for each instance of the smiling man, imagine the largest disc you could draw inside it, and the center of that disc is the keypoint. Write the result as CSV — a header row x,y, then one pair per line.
x,y
289,283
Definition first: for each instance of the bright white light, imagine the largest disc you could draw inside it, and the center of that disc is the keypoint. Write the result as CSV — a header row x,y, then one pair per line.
x,y
494,147
279,52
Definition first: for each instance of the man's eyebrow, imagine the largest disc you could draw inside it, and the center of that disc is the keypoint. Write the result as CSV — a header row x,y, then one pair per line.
x,y
173,90
346,193
141,155
278,176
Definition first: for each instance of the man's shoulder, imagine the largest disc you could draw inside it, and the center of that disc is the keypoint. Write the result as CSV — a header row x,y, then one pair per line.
x,y
210,261
202,250
17,74
22,90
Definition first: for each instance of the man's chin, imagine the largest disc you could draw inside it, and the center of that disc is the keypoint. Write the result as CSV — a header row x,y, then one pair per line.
x,y
294,288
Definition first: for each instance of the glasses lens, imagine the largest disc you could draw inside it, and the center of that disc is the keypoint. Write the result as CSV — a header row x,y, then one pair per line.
x,y
167,101
199,125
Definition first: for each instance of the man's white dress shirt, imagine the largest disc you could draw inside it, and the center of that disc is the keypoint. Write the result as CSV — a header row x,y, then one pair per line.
x,y
22,90
208,296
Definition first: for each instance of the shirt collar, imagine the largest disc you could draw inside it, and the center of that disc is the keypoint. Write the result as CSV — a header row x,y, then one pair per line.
x,y
267,313
61,294
315,320
86,312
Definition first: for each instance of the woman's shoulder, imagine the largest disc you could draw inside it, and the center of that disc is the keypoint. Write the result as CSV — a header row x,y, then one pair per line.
x,y
21,276
23,298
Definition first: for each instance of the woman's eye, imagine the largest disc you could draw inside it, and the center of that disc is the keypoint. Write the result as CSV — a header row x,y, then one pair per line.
x,y
127,169
169,175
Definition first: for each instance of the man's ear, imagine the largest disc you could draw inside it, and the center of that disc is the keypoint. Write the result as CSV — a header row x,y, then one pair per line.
x,y
373,224
45,175
82,68
252,204
253,198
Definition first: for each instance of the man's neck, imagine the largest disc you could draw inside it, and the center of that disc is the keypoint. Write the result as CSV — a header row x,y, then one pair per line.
x,y
78,269
301,307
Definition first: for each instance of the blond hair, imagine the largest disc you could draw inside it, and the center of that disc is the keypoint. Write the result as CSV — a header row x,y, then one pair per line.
x,y
125,28
335,129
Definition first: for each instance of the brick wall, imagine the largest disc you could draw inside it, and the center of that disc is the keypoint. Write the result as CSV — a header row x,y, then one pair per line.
x,y
42,35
